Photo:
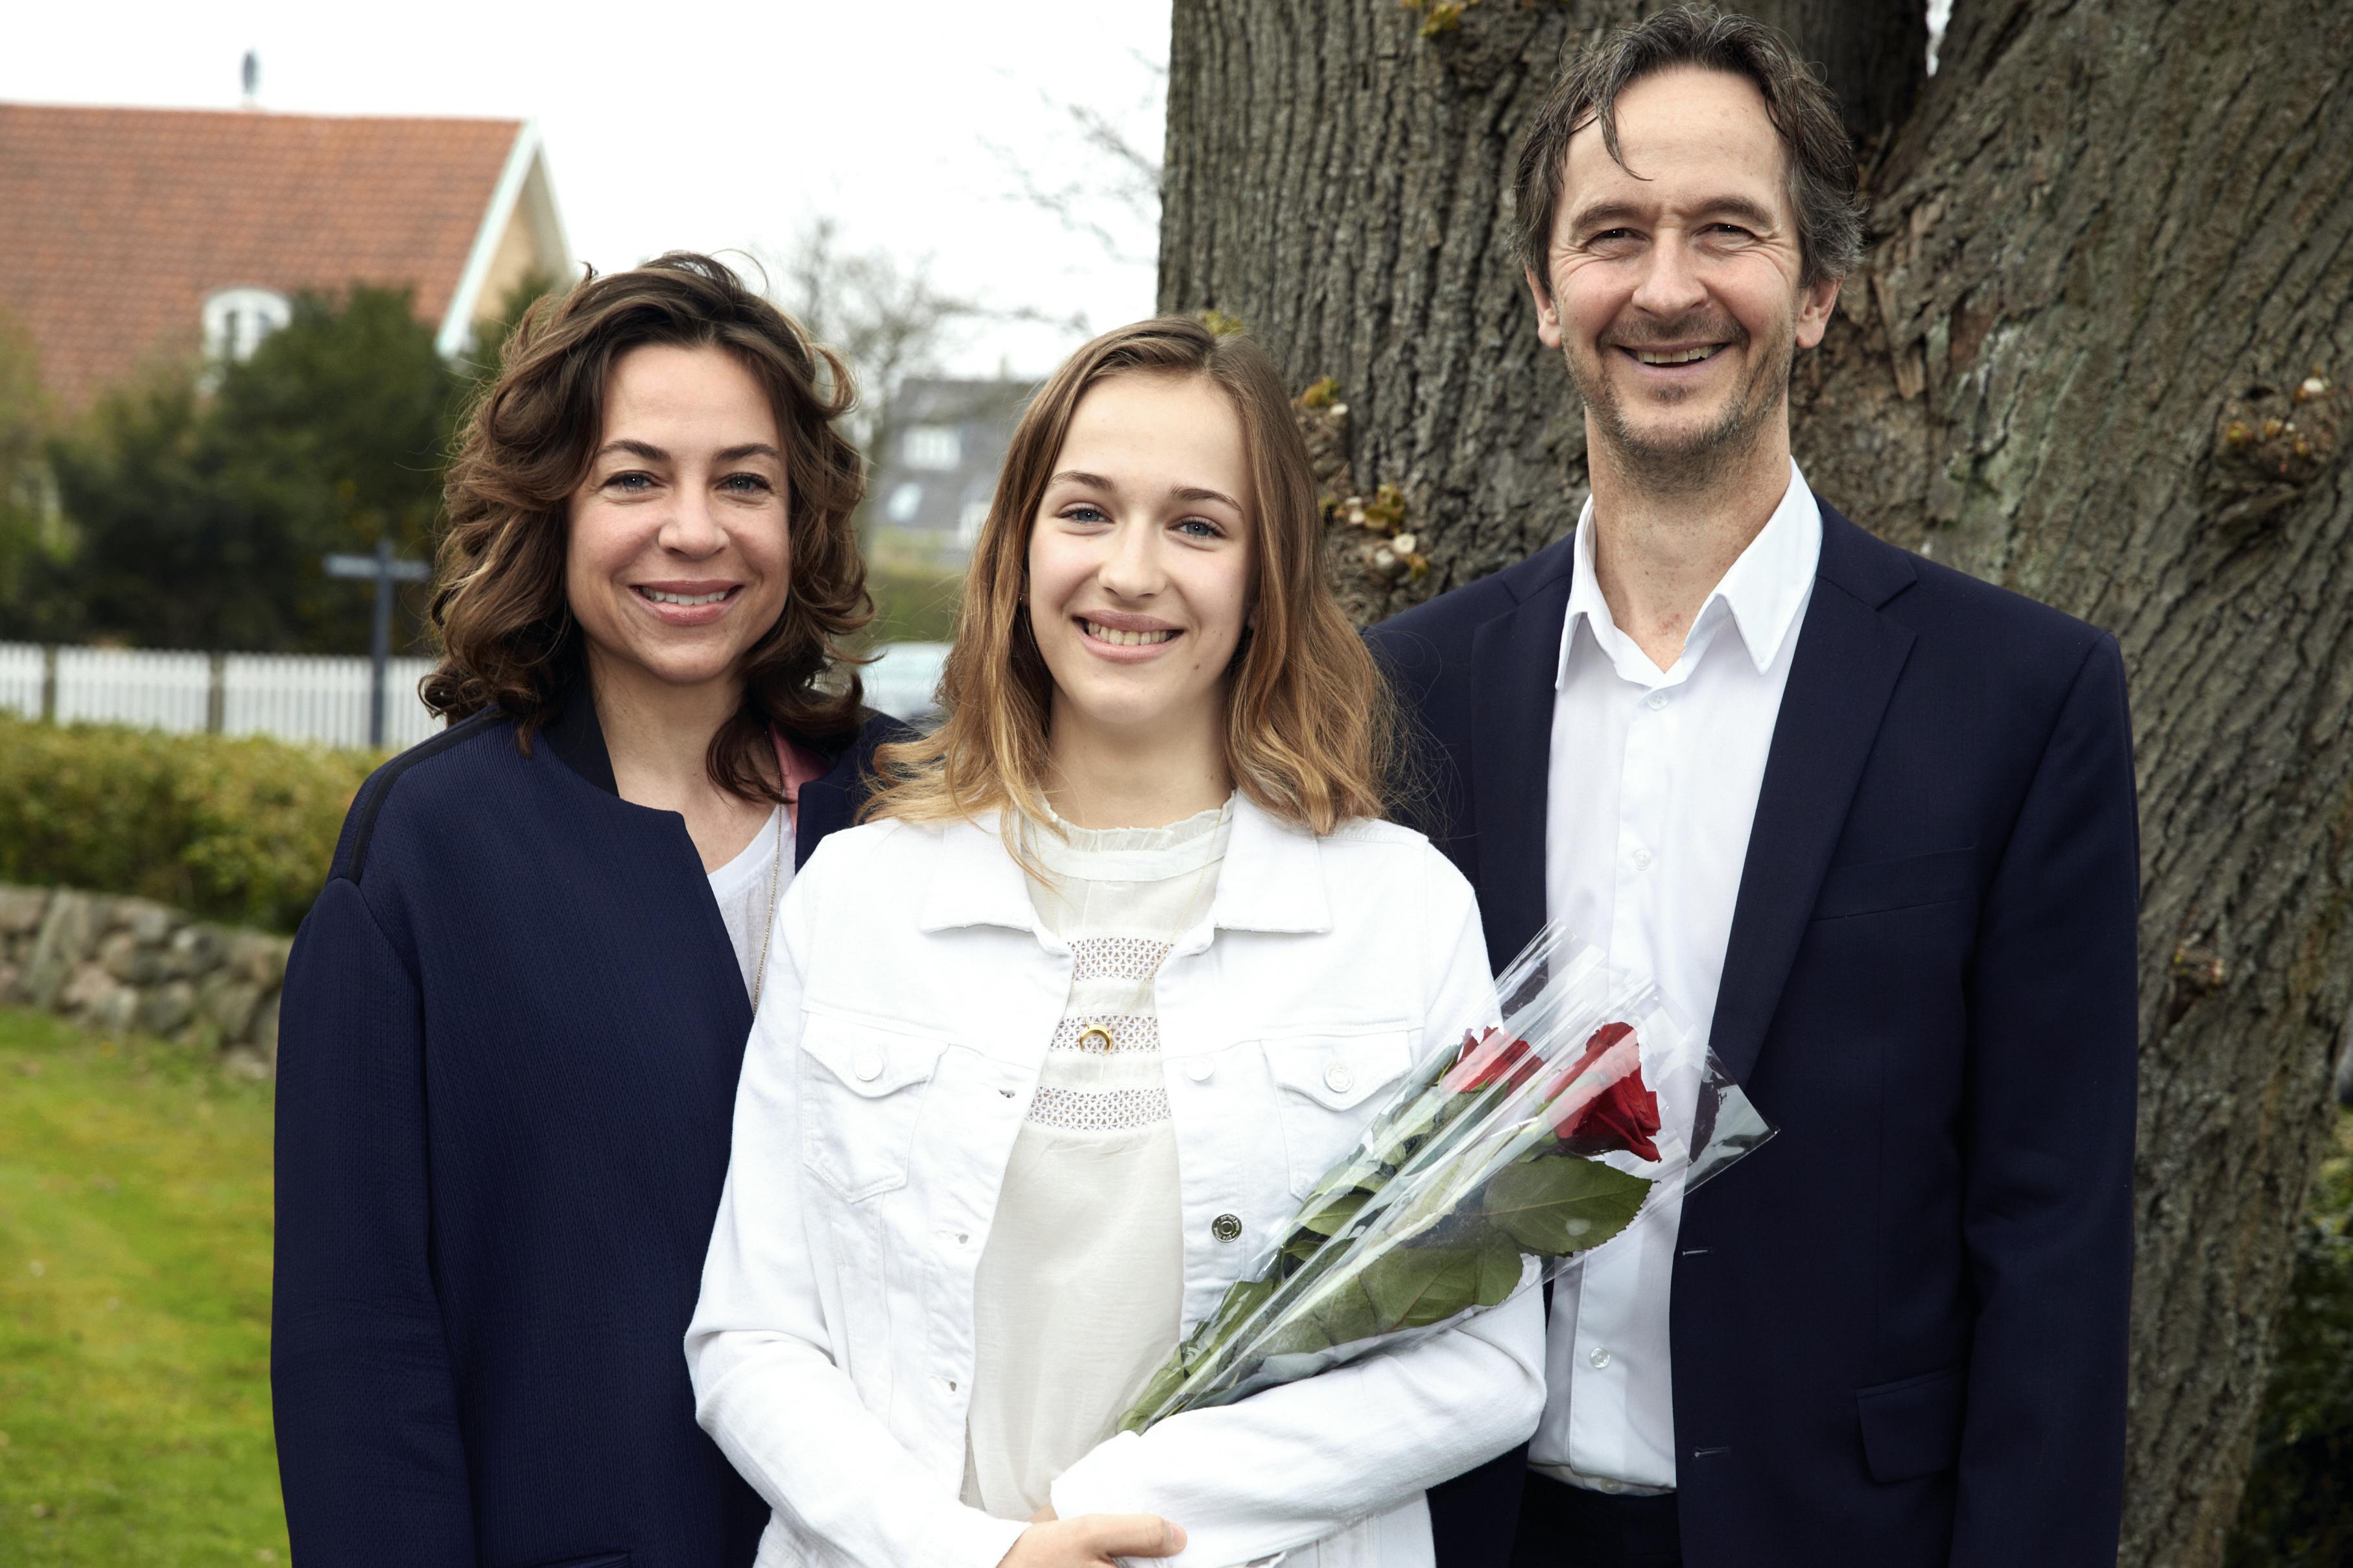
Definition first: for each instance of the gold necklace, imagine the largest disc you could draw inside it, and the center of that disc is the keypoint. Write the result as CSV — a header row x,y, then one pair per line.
x,y
768,932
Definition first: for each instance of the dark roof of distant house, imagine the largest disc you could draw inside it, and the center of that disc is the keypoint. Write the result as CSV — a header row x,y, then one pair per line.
x,y
120,222
956,399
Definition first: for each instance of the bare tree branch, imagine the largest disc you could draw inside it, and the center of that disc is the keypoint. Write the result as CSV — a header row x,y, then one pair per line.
x,y
1117,173
886,319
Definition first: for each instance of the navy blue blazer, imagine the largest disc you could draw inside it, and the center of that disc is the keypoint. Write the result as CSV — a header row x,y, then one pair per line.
x,y
1898,1330
506,1076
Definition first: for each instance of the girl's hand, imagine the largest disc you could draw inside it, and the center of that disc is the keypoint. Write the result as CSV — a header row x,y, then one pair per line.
x,y
1092,1539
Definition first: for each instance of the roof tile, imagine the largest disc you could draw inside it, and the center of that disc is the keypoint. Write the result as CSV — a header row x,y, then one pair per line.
x,y
121,221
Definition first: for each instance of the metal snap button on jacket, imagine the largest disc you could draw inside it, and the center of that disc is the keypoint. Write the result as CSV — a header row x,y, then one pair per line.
x,y
1227,1227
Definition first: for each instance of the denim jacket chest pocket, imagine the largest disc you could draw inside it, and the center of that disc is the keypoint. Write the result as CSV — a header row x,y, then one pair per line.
x,y
862,1087
1328,1087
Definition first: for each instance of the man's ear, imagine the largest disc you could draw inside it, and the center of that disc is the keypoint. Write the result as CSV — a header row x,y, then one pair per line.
x,y
1547,312
1815,303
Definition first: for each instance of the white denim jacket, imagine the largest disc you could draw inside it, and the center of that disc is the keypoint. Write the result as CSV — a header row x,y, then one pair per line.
x,y
909,998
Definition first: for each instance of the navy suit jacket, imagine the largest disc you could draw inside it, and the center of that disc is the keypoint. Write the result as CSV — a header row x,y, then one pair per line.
x,y
1898,1330
506,1077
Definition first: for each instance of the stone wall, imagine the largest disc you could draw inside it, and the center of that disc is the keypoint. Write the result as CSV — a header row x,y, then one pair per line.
x,y
115,964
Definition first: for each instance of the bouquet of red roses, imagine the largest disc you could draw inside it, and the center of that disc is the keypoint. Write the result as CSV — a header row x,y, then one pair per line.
x,y
1496,1165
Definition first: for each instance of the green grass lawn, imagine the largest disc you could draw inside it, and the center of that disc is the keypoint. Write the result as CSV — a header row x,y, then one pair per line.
x,y
134,1306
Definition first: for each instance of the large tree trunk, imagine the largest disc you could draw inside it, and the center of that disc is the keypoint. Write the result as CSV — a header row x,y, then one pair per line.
x,y
2110,247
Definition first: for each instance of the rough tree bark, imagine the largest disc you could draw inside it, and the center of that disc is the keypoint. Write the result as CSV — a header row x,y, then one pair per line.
x,y
2110,261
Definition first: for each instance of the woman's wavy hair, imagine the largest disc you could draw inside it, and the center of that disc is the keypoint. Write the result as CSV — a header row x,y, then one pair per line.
x,y
1309,722
507,632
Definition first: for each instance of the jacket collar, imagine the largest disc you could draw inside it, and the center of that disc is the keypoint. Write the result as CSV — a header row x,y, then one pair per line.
x,y
1512,658
826,803
1273,878
831,801
578,740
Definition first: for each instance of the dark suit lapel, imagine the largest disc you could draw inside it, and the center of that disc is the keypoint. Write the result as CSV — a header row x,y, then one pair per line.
x,y
1516,656
1848,658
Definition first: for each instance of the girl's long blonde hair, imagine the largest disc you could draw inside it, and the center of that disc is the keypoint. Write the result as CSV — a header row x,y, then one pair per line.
x,y
1309,723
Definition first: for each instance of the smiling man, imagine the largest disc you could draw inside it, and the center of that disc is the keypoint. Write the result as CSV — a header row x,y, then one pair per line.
x,y
1870,825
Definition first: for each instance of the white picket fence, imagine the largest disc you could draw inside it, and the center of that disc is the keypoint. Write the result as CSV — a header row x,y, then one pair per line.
x,y
303,696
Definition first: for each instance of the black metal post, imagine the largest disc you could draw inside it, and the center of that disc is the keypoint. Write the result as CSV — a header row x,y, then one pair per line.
x,y
385,571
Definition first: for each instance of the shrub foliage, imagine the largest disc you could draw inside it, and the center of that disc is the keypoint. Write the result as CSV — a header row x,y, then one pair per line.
x,y
238,830
2298,1511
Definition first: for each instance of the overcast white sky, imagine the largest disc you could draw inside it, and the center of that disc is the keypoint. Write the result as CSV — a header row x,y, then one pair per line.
x,y
713,123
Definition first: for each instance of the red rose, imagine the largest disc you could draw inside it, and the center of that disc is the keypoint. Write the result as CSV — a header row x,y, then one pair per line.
x,y
1606,1107
1492,1056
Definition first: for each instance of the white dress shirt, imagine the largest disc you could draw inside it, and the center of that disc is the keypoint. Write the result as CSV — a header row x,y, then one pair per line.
x,y
1649,795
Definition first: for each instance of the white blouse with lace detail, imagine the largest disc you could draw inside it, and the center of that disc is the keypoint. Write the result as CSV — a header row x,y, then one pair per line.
x,y
1080,1290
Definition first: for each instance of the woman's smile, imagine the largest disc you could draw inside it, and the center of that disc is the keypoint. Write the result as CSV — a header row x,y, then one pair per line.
x,y
687,604
1125,639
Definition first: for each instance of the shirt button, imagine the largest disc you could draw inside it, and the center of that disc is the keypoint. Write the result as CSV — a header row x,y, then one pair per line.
x,y
1642,860
1199,1070
1655,700
1339,1079
869,1065
1598,1358
1227,1227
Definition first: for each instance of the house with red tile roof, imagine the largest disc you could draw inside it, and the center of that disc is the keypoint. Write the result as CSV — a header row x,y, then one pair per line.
x,y
138,234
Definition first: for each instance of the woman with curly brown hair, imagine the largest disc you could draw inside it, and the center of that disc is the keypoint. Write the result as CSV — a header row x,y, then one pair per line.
x,y
514,1019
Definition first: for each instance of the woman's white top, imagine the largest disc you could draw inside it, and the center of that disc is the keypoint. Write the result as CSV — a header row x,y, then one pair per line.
x,y
1082,1285
911,995
741,886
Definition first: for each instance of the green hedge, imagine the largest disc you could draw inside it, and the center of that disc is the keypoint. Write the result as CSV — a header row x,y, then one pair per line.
x,y
2298,1511
239,831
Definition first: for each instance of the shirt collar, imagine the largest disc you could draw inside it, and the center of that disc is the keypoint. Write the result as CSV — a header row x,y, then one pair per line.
x,y
1273,878
1760,595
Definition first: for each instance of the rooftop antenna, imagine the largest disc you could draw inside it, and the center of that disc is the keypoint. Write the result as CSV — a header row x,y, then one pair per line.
x,y
252,73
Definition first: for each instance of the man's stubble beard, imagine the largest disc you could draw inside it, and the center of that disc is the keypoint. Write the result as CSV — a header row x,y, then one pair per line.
x,y
1690,463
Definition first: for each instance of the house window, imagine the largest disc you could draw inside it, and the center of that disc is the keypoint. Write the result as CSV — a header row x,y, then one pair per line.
x,y
933,447
903,501
236,319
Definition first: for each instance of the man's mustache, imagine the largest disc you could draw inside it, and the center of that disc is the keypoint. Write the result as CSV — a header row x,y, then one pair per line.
x,y
1679,334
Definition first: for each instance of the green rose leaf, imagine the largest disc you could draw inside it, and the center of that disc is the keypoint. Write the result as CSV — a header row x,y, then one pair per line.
x,y
1321,1221
1499,1270
1301,1334
1336,1314
1242,1300
1157,1393
1344,1314
1562,1206
1386,1142
1334,1215
1411,1287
